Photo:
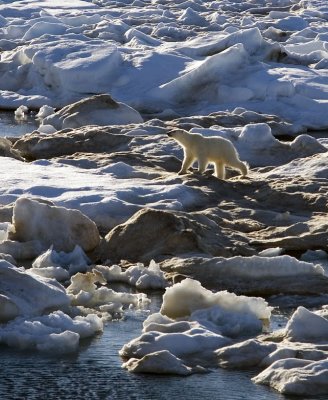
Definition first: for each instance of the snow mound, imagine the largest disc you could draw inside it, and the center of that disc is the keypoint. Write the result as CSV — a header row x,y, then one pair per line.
x,y
95,110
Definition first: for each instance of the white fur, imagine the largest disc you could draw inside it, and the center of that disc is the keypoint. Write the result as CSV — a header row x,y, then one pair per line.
x,y
217,150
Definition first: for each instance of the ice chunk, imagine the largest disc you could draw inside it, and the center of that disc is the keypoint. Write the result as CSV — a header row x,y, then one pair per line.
x,y
182,299
137,275
194,342
8,309
83,291
160,362
95,110
55,333
45,111
245,354
57,226
21,112
306,326
46,129
44,28
32,295
75,261
296,377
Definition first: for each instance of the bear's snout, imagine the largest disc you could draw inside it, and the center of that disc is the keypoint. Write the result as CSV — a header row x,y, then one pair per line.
x,y
169,133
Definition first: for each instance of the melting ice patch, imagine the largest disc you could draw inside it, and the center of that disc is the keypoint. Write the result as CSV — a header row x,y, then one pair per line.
x,y
299,365
83,291
138,275
296,365
55,333
193,322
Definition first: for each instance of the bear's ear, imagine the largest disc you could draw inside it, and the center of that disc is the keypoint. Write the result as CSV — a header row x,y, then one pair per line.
x,y
172,132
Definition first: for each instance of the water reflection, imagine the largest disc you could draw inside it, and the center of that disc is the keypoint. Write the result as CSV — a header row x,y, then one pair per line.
x,y
9,126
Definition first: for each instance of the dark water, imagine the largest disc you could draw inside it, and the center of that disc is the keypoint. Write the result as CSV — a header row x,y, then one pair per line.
x,y
11,127
95,371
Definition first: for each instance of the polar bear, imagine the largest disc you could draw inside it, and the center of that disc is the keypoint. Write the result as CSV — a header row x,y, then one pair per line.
x,y
217,150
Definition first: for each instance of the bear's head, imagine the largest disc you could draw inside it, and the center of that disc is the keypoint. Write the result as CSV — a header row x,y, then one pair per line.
x,y
179,135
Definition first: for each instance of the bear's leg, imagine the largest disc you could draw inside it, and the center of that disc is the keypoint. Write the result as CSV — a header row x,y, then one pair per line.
x,y
187,161
202,164
219,170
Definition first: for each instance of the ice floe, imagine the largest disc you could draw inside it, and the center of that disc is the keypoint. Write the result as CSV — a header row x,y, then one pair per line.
x,y
31,295
193,322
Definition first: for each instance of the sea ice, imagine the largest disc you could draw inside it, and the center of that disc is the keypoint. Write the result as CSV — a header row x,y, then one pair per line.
x,y
296,377
106,198
75,261
32,295
194,322
167,59
54,333
158,56
84,292
296,365
159,362
53,226
307,326
138,275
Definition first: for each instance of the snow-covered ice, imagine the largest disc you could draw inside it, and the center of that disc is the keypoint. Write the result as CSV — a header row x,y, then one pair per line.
x,y
103,194
149,56
259,70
